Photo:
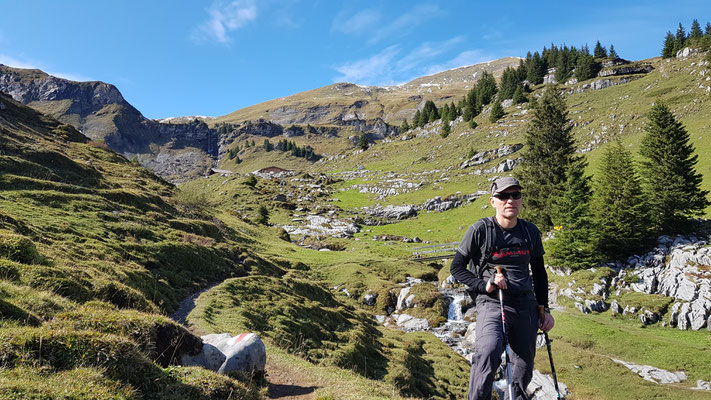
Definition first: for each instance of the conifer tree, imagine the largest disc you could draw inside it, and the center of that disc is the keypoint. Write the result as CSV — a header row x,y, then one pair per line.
x,y
695,33
671,183
707,30
563,67
668,49
518,96
613,53
416,119
486,89
575,245
508,83
363,142
404,127
599,51
619,209
586,67
549,152
535,70
497,111
446,129
679,39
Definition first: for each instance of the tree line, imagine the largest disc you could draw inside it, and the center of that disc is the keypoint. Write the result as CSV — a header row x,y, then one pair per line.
x,y
568,61
625,205
286,146
696,38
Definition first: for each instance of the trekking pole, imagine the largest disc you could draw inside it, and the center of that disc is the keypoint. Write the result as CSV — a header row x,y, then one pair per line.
x,y
550,355
506,340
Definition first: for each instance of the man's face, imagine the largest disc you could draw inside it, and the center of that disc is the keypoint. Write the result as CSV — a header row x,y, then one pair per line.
x,y
507,207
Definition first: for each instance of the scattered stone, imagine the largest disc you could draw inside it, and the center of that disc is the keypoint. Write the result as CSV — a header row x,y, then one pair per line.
x,y
369,299
653,374
582,308
702,385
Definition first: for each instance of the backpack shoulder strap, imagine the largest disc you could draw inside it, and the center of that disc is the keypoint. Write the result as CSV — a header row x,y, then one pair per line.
x,y
489,244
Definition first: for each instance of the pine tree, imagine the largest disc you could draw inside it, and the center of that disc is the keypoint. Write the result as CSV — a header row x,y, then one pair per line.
x,y
679,39
518,96
695,33
668,49
613,53
473,124
574,245
508,83
549,152
363,142
586,67
486,89
599,51
446,129
671,183
416,119
563,68
535,70
267,145
497,111
619,209
707,30
404,127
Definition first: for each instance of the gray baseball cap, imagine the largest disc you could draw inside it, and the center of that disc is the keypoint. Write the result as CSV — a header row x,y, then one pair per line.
x,y
504,183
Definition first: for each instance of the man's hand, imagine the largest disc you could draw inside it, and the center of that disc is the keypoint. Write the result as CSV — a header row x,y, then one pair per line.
x,y
545,320
499,282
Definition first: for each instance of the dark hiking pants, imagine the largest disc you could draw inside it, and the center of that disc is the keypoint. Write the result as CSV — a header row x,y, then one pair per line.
x,y
521,326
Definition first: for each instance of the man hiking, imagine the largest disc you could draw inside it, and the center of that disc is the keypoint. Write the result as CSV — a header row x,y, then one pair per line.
x,y
515,295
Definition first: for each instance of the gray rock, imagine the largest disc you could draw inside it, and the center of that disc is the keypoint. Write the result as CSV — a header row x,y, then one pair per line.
x,y
369,299
686,52
582,308
408,323
699,314
402,297
507,103
647,317
626,70
615,307
653,374
209,358
279,197
245,352
702,385
595,305
543,388
683,318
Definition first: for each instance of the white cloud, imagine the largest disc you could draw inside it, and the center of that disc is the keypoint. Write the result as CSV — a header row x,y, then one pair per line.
x,y
370,71
390,65
29,64
426,52
361,22
225,17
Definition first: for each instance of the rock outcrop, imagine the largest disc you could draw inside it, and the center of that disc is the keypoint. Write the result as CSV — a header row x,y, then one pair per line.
x,y
224,353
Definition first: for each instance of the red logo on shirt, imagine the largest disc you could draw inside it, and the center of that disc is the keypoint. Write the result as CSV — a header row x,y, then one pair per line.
x,y
509,253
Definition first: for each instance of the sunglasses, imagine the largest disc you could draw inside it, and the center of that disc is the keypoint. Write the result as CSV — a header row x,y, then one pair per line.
x,y
506,196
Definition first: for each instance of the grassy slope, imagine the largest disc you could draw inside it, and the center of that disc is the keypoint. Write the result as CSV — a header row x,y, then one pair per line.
x,y
85,238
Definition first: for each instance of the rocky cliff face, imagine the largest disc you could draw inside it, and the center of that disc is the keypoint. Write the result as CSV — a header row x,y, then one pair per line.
x,y
175,151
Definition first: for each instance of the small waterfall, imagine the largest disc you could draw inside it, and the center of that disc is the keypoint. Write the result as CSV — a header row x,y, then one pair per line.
x,y
454,313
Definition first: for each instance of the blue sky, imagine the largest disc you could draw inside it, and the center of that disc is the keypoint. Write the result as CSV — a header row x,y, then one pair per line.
x,y
172,58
